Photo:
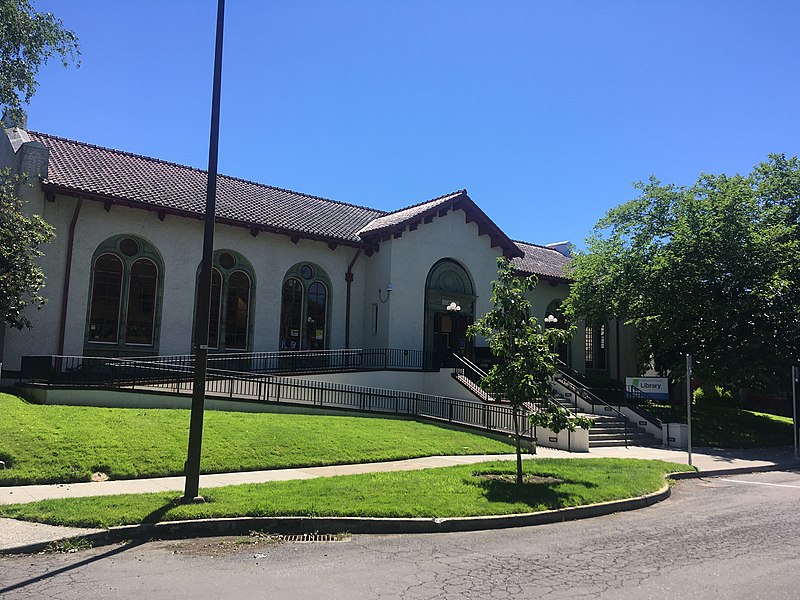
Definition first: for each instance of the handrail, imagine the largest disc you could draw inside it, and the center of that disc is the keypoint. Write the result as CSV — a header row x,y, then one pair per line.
x,y
638,394
473,374
304,361
529,406
579,388
263,387
471,365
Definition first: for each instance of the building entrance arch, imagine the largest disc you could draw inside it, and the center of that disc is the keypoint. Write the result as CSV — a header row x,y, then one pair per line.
x,y
449,310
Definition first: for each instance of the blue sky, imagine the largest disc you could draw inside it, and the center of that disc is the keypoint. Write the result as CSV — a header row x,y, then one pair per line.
x,y
545,111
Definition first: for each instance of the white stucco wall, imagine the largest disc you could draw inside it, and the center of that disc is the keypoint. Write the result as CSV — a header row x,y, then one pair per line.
x,y
410,258
179,242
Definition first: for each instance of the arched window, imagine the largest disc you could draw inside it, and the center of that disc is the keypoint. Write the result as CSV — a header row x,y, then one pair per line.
x,y
304,308
140,324
291,314
237,307
106,299
124,303
231,312
315,327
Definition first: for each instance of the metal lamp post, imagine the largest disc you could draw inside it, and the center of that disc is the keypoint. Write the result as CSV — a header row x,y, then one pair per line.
x,y
192,469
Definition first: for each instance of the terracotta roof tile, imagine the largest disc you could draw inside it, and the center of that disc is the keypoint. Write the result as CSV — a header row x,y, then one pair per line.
x,y
82,167
404,215
541,261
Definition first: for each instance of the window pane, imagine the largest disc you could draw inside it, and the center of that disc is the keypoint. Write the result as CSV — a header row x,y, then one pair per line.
x,y
237,304
141,302
315,326
213,313
601,347
291,313
106,293
589,347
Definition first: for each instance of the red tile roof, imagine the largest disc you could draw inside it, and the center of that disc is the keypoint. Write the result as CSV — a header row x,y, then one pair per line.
x,y
542,261
151,183
111,175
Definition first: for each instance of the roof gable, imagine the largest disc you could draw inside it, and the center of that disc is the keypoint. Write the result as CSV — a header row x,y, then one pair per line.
x,y
395,223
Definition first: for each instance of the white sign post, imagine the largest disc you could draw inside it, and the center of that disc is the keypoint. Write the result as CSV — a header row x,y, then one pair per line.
x,y
689,405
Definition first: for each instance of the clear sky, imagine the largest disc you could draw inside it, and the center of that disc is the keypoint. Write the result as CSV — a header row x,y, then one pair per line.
x,y
545,111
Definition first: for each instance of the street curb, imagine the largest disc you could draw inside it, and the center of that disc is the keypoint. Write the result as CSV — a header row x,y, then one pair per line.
x,y
173,530
734,471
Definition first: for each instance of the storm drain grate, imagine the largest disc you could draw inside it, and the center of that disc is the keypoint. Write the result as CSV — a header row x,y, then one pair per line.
x,y
303,537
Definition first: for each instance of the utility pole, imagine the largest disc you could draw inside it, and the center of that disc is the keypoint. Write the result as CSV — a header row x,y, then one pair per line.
x,y
192,469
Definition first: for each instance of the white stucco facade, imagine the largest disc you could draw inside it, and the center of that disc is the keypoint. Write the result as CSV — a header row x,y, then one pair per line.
x,y
403,257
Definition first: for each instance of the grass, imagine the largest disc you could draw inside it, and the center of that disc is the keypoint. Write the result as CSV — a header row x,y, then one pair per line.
x,y
722,427
60,444
443,492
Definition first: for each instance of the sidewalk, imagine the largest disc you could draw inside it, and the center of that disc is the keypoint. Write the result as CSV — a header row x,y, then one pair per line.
x,y
16,533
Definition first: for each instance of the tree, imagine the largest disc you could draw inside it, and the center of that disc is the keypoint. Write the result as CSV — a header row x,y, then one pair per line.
x,y
28,39
711,270
525,360
21,277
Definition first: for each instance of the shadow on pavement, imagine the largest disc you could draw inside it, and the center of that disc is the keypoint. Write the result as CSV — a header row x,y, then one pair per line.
x,y
72,567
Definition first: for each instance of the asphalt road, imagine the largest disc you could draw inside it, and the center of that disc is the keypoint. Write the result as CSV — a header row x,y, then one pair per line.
x,y
729,537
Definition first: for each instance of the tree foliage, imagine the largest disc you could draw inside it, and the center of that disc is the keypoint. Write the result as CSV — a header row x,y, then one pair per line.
x,y
525,361
712,270
28,39
21,235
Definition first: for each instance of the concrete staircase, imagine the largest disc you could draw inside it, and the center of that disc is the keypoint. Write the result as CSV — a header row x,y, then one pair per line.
x,y
607,430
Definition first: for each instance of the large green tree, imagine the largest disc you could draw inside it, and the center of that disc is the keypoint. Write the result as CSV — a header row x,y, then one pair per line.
x,y
28,39
21,235
712,269
525,361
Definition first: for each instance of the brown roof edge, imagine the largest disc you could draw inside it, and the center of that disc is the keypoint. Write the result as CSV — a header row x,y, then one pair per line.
x,y
460,200
120,201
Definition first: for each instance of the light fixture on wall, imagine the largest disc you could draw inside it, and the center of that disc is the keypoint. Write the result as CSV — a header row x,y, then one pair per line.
x,y
453,307
550,320
389,288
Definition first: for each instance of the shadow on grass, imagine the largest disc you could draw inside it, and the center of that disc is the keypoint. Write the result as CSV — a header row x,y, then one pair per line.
x,y
534,495
156,515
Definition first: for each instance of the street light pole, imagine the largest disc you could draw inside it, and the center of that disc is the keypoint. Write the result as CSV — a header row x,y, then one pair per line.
x,y
192,468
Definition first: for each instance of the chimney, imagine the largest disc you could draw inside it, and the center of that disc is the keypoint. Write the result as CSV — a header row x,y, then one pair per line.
x,y
14,117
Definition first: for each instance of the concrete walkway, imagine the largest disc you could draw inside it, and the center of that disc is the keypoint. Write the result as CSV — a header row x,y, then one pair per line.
x,y
16,533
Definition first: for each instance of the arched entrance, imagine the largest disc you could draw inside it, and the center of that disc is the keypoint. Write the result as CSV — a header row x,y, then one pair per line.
x,y
554,317
449,310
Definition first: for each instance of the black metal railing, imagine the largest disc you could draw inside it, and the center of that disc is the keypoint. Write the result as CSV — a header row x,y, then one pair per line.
x,y
571,380
157,375
87,370
473,374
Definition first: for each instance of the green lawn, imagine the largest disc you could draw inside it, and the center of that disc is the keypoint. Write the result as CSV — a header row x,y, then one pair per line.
x,y
723,427
48,444
444,492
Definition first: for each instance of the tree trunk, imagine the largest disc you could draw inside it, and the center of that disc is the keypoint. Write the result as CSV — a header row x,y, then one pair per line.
x,y
519,449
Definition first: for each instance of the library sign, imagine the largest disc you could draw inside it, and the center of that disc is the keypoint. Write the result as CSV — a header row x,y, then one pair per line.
x,y
655,387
